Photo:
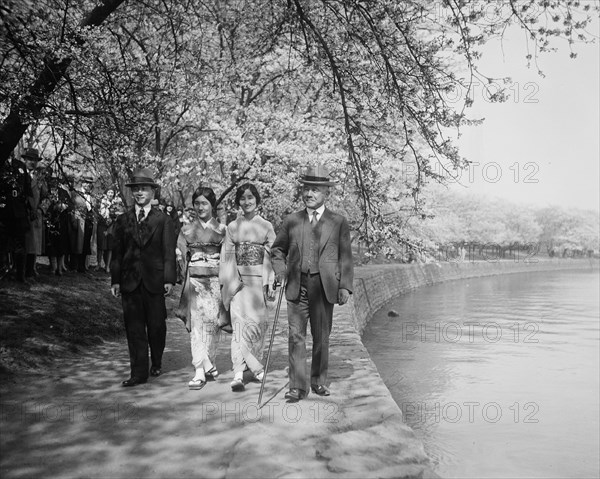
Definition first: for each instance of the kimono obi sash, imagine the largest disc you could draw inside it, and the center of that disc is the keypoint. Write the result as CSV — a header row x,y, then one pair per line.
x,y
203,259
248,253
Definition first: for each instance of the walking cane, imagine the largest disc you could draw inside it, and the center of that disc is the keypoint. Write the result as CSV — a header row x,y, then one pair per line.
x,y
265,370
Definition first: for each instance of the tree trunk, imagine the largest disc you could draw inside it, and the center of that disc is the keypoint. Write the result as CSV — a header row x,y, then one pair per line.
x,y
30,106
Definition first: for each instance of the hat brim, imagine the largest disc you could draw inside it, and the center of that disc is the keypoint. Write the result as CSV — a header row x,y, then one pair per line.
x,y
142,183
317,183
28,157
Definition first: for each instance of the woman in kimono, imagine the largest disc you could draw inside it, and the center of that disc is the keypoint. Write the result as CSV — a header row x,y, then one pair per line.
x,y
247,277
199,244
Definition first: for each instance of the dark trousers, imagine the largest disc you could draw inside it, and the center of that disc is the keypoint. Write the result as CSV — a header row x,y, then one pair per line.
x,y
77,262
30,261
145,324
312,306
12,245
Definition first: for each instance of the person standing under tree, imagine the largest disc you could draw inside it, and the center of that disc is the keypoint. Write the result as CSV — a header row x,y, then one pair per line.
x,y
103,252
39,191
82,225
312,252
15,191
143,274
57,225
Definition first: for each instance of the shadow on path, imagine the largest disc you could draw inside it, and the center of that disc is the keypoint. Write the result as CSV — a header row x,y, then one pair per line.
x,y
77,420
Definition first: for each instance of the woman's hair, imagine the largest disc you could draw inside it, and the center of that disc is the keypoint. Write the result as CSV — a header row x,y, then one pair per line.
x,y
242,189
208,193
111,188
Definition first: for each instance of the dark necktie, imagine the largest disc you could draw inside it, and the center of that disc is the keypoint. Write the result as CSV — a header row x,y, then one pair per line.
x,y
313,220
141,215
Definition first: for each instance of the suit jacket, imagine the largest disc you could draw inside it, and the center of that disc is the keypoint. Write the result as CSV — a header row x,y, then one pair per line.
x,y
15,190
143,253
335,253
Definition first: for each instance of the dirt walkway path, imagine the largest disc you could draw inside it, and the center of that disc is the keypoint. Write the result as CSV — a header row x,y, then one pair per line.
x,y
77,421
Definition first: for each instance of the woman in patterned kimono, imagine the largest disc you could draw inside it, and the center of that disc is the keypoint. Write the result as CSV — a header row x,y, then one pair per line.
x,y
247,277
199,243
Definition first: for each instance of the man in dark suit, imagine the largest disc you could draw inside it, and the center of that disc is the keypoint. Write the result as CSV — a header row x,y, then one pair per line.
x,y
143,273
15,192
312,253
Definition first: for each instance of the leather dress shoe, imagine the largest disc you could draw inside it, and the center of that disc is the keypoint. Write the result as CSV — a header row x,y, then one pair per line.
x,y
295,395
133,381
320,389
154,371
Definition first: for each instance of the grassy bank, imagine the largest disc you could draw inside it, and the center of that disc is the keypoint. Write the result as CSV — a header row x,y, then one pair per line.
x,y
54,317
57,316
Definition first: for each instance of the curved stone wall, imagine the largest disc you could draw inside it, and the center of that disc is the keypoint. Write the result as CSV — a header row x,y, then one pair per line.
x,y
376,285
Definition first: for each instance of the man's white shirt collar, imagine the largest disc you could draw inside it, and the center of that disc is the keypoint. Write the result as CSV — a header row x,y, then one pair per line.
x,y
147,209
320,210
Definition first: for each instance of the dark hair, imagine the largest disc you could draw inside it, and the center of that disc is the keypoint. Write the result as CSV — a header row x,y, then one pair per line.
x,y
242,189
208,193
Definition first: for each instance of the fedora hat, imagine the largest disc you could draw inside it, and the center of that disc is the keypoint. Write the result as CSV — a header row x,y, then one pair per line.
x,y
317,175
87,178
31,154
142,176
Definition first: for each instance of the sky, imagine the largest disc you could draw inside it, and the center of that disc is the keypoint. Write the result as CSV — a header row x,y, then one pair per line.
x,y
542,146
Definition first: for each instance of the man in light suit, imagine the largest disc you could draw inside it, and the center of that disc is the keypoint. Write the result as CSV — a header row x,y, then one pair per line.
x,y
312,253
143,273
39,190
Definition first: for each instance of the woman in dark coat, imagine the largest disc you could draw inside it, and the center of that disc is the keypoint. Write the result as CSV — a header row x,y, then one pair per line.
x,y
57,226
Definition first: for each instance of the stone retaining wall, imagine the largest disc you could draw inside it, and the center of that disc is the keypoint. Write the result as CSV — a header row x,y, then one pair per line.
x,y
376,285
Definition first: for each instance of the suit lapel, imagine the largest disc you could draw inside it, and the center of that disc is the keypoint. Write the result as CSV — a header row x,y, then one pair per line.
x,y
326,229
148,226
304,225
132,226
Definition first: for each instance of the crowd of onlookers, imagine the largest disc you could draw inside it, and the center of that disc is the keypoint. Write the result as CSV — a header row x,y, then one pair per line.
x,y
68,219
84,226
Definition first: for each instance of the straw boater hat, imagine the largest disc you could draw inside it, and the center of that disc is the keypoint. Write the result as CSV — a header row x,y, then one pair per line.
x,y
317,175
142,176
31,154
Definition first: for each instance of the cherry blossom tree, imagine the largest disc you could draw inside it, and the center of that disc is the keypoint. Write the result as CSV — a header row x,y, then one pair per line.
x,y
222,92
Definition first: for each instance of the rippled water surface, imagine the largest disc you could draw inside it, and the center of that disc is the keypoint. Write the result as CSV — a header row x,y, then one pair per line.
x,y
499,376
